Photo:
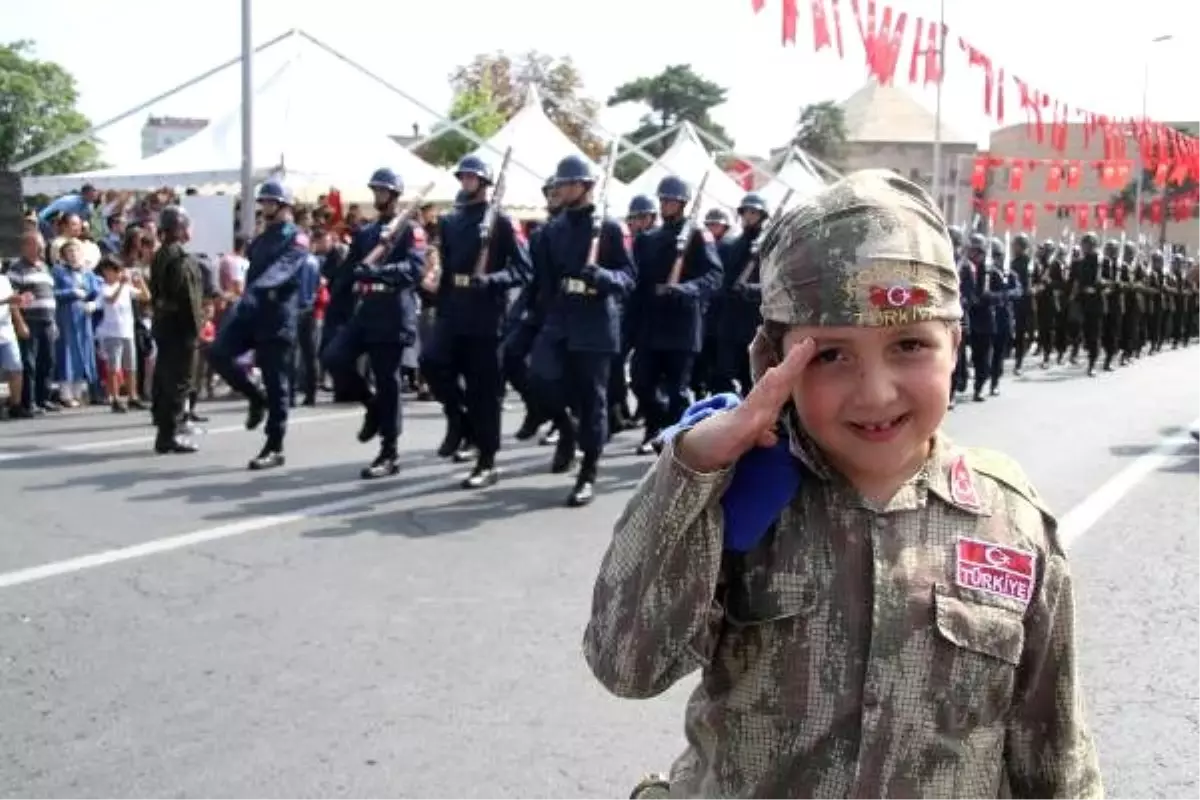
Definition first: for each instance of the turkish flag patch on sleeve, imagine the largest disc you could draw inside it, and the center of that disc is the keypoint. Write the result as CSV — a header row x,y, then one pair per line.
x,y
419,239
995,569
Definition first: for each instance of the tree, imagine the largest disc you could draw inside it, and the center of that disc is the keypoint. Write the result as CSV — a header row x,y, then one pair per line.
x,y
486,119
37,111
1127,197
557,80
675,95
821,131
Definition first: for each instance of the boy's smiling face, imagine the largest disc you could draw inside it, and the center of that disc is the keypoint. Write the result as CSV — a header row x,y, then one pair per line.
x,y
873,397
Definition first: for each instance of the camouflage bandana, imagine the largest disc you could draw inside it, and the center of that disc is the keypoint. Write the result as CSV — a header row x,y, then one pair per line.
x,y
868,251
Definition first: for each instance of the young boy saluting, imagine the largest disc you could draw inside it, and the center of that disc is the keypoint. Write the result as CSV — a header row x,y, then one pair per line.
x,y
876,610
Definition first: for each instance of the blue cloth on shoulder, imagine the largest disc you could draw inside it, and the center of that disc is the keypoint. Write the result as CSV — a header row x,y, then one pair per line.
x,y
764,480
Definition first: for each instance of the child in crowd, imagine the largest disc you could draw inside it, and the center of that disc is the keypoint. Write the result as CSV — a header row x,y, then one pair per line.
x,y
116,331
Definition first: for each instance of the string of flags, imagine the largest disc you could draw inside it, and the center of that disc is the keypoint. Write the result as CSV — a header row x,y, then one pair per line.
x,y
883,31
1154,211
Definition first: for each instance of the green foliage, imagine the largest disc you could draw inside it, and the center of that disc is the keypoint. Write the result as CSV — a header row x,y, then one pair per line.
x,y
677,94
37,111
450,146
821,132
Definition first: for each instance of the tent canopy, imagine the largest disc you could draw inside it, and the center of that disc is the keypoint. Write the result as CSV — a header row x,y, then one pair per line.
x,y
537,147
295,139
795,174
687,158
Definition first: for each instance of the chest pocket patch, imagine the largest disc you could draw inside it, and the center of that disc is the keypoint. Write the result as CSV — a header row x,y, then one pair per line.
x,y
977,650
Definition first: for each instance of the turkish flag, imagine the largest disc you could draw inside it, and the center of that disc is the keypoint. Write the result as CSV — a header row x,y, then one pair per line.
x,y
1016,178
1082,215
1118,214
1073,175
1010,213
1108,175
1102,215
979,174
1054,178
1028,215
993,208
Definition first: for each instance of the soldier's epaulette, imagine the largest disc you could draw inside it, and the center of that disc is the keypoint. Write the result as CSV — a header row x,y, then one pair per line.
x,y
1004,469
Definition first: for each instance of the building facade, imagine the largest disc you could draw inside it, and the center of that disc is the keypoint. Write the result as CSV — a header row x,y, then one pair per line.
x,y
162,133
1057,209
888,128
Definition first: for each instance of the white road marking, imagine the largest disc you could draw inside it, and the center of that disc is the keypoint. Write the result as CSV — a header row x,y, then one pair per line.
x,y
169,543
1080,519
1072,525
113,444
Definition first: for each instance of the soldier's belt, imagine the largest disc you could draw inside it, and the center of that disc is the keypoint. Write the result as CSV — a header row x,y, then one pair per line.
x,y
462,281
373,288
577,286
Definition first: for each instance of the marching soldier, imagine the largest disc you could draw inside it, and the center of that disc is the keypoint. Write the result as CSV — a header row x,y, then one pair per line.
x,y
1170,293
1113,292
384,322
581,330
640,219
1025,322
742,297
1152,319
462,360
1187,300
678,268
704,371
1133,280
1046,287
264,320
176,295
1005,287
1084,291
962,373
525,319
980,302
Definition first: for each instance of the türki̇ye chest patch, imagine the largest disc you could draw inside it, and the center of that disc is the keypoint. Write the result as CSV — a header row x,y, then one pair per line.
x,y
993,568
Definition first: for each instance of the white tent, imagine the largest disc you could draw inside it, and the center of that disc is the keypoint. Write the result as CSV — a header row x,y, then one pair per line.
x,y
537,147
687,158
295,138
795,174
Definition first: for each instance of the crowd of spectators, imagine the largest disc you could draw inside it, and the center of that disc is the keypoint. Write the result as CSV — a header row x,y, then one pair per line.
x,y
75,309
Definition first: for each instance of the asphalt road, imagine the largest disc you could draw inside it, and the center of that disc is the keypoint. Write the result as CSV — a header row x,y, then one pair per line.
x,y
299,633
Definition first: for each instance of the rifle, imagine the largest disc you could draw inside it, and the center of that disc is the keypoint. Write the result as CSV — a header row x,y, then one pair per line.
x,y
748,270
385,236
685,233
601,199
489,215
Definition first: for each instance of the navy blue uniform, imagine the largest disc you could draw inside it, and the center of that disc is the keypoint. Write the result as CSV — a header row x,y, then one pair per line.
x,y
337,270
740,314
668,330
264,320
705,374
581,326
976,287
525,319
383,324
1006,289
462,358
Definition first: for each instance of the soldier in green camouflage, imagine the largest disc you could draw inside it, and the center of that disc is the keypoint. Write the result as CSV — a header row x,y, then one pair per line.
x,y
905,628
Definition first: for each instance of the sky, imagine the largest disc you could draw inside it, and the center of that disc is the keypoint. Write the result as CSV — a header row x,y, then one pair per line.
x,y
125,52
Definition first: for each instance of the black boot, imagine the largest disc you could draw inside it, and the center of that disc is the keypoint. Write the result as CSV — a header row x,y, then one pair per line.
x,y
269,457
255,413
551,437
529,427
585,484
174,444
384,465
370,424
453,439
484,474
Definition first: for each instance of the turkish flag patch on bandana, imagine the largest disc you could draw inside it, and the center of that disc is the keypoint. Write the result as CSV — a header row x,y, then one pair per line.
x,y
996,569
